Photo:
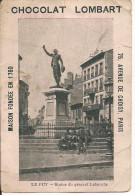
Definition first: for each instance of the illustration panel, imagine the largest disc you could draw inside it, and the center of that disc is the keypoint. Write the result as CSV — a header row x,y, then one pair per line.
x,y
66,122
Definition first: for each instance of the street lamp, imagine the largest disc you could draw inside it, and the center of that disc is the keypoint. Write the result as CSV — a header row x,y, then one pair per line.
x,y
109,90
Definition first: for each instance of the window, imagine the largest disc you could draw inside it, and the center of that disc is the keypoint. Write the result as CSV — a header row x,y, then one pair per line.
x,y
92,84
101,68
88,75
96,88
101,84
79,114
101,99
92,72
84,101
74,115
101,118
96,70
84,75
88,85
96,99
84,89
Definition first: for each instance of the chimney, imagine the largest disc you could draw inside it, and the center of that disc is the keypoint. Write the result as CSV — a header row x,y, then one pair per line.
x,y
91,56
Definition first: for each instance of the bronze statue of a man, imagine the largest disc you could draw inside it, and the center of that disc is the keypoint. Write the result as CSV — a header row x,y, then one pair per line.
x,y
55,65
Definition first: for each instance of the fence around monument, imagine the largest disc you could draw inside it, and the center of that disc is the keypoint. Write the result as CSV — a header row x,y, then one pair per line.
x,y
57,130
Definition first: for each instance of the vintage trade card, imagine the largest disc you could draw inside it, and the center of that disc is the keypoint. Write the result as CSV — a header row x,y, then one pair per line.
x,y
66,95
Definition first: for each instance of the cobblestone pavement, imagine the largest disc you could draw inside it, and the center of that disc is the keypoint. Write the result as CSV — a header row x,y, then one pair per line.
x,y
93,173
40,159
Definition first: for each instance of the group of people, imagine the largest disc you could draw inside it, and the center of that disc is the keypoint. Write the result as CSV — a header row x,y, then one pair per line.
x,y
75,140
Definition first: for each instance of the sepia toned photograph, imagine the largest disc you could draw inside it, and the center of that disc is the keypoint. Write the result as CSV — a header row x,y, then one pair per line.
x,y
66,114
66,88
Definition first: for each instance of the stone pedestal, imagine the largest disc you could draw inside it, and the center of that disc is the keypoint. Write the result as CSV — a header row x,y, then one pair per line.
x,y
56,105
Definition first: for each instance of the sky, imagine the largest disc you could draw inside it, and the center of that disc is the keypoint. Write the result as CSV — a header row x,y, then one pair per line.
x,y
75,40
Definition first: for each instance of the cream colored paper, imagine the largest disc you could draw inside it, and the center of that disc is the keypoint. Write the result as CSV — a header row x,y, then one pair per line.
x,y
121,43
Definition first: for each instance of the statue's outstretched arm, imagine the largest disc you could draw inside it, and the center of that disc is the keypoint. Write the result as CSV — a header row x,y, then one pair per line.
x,y
61,60
49,54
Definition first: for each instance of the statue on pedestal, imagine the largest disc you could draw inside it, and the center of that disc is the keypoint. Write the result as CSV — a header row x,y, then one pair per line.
x,y
57,69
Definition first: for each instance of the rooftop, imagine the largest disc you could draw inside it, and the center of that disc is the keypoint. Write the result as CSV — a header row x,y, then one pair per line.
x,y
94,59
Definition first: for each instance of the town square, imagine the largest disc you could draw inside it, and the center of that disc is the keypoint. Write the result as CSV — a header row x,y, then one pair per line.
x,y
72,131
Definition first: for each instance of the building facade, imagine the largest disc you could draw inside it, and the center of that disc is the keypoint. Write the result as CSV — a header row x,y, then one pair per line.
x,y
23,103
40,116
68,82
76,100
96,101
